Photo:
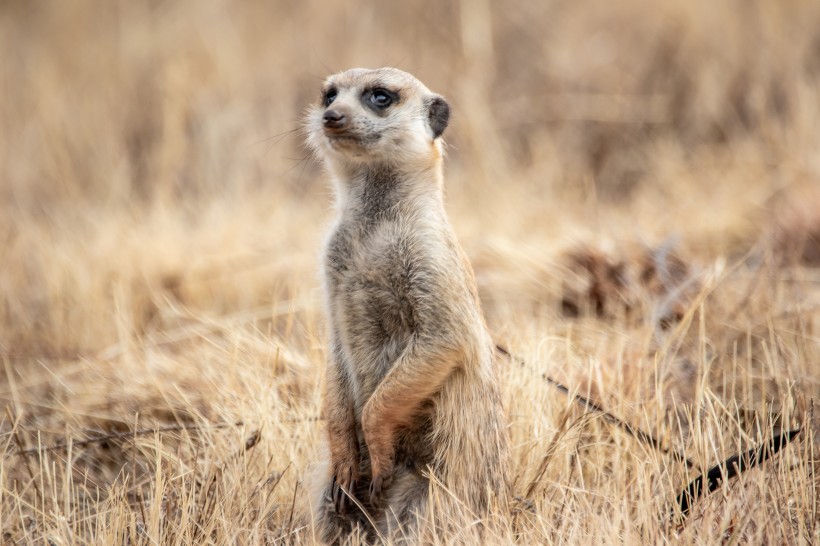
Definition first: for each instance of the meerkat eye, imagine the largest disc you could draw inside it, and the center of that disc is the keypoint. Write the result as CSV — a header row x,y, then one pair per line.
x,y
381,97
330,96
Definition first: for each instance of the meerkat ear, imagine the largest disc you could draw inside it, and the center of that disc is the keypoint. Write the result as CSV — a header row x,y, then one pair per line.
x,y
438,115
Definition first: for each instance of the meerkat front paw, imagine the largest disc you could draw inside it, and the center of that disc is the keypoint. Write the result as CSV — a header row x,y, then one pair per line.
x,y
376,490
345,477
379,440
380,480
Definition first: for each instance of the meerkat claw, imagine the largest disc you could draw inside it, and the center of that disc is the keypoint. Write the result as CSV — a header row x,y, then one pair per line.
x,y
334,492
376,489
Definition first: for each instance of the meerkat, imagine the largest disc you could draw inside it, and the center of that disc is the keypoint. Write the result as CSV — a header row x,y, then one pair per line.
x,y
412,398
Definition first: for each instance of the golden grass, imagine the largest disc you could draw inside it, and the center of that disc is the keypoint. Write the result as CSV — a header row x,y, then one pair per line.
x,y
636,183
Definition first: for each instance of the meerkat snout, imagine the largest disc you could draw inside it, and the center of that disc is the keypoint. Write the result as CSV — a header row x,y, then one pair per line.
x,y
334,120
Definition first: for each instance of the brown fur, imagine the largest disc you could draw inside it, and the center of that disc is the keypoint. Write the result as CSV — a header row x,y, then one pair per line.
x,y
412,401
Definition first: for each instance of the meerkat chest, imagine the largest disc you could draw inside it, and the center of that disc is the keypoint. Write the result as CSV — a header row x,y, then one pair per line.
x,y
373,279
374,272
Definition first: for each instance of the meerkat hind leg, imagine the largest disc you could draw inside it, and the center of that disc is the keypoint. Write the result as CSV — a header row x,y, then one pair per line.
x,y
406,507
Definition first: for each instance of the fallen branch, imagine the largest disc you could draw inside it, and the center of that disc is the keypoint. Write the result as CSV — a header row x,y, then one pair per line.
x,y
636,433
714,477
728,469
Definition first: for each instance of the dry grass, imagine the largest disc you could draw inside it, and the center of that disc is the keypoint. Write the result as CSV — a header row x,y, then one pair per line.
x,y
637,184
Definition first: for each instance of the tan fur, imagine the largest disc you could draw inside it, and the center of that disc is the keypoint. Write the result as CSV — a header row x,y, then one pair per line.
x,y
412,403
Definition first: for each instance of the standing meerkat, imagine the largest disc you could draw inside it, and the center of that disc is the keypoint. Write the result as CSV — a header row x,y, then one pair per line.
x,y
416,428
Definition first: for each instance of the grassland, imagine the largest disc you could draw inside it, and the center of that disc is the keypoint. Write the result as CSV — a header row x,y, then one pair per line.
x,y
636,183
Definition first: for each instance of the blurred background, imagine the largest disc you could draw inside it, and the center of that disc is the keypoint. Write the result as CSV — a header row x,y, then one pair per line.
x,y
636,183
155,146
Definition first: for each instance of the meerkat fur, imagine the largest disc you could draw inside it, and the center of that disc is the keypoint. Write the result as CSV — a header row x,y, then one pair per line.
x,y
412,400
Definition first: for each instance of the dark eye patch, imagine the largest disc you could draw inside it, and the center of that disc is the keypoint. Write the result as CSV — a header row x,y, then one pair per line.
x,y
329,96
379,98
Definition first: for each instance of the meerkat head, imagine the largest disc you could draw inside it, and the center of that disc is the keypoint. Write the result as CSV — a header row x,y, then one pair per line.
x,y
383,116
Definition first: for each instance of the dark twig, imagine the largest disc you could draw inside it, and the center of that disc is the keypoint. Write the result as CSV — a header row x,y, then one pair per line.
x,y
728,469
716,475
125,435
289,527
636,433
131,434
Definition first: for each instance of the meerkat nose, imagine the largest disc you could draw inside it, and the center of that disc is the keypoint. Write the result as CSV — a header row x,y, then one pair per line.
x,y
334,120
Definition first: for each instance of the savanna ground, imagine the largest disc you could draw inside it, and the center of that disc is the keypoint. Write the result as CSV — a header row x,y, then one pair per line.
x,y
636,183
